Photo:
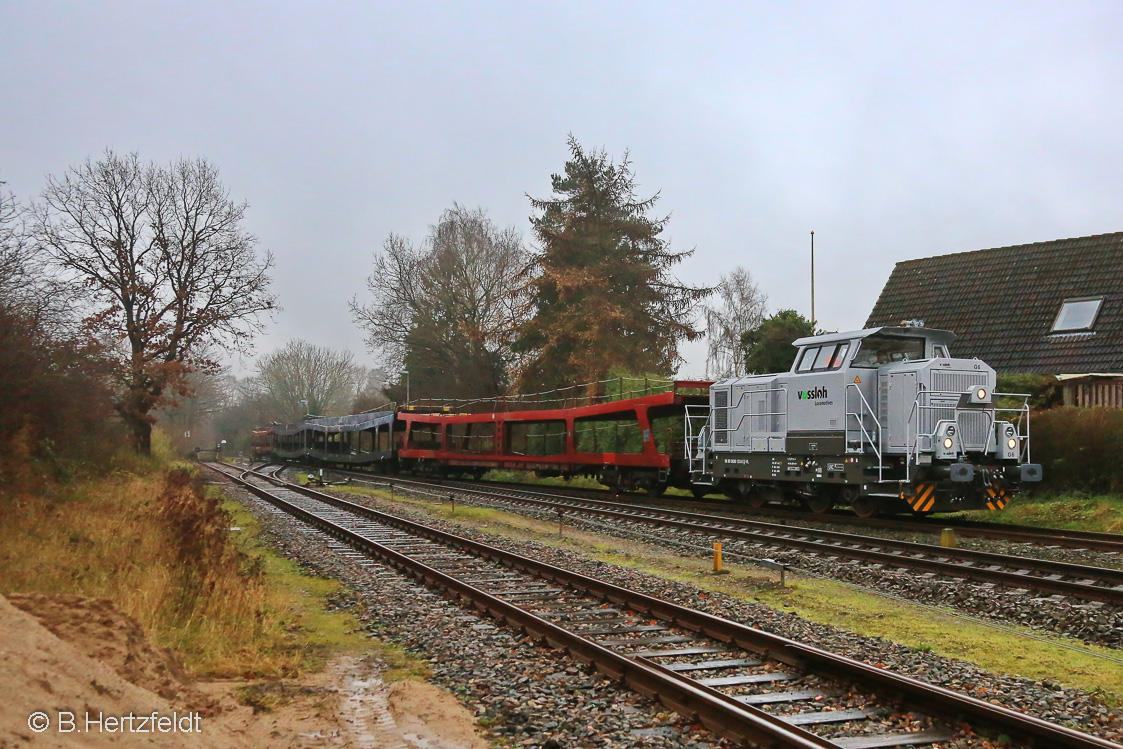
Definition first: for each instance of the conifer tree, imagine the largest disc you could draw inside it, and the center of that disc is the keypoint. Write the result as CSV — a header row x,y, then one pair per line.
x,y
603,289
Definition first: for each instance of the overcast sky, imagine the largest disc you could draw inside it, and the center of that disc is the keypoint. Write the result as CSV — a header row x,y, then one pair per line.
x,y
893,130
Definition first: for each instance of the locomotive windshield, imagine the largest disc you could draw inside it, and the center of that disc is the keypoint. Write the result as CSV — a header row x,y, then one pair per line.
x,y
877,350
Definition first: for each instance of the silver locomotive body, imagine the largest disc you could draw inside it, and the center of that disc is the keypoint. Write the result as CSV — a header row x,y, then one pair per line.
x,y
882,419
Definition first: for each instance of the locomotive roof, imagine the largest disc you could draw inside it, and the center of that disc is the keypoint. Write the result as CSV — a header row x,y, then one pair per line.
x,y
932,334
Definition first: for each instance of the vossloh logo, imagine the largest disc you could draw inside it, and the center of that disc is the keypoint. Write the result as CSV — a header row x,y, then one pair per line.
x,y
813,394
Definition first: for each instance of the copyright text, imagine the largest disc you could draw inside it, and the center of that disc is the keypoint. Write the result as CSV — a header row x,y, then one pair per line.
x,y
64,721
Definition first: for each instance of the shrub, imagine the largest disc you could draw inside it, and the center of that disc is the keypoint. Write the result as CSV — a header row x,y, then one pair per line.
x,y
1079,448
54,406
1044,390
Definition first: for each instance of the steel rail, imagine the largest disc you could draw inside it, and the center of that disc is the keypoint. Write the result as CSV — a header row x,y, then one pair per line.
x,y
946,703
910,554
717,711
1089,540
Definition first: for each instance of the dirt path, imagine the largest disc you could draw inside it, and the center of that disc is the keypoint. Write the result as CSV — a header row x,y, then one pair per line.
x,y
83,665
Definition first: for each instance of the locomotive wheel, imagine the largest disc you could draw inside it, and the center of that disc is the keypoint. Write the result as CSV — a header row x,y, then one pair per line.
x,y
699,491
657,491
864,507
760,496
820,503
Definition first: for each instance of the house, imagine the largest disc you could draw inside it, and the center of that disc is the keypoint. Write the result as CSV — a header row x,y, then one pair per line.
x,y
1047,308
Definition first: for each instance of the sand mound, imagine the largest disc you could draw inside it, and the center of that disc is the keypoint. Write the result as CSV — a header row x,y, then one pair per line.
x,y
82,656
40,672
99,630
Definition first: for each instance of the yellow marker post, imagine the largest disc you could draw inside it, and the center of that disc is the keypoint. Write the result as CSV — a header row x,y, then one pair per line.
x,y
717,556
947,538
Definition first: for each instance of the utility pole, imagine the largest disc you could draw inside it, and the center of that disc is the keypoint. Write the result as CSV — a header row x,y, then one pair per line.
x,y
812,275
406,373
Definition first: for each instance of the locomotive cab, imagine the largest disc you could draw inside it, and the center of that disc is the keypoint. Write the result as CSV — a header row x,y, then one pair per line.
x,y
879,419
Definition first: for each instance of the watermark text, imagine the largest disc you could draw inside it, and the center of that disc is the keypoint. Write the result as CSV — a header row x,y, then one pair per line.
x,y
64,721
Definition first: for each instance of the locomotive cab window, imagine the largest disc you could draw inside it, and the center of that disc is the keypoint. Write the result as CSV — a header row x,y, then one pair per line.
x,y
807,359
823,358
830,356
877,350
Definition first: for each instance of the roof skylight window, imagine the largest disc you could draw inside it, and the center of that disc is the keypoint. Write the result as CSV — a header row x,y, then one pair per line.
x,y
1077,314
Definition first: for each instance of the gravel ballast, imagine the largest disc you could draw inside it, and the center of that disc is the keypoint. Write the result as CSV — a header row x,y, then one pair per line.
x,y
533,696
524,694
1089,621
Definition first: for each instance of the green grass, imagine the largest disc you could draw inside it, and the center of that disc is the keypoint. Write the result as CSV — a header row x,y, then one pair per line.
x,y
820,601
1070,511
839,605
528,477
314,632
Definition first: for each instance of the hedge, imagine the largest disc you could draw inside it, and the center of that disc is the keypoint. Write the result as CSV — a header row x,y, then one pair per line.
x,y
1079,448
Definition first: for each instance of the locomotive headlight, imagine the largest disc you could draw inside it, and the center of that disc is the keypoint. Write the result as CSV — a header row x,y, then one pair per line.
x,y
948,442
1010,431
1012,443
981,394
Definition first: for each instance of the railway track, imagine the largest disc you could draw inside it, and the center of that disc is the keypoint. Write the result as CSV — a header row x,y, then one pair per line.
x,y
742,683
1099,584
1110,543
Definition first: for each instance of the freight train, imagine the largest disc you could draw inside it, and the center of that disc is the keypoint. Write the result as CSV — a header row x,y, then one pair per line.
x,y
881,420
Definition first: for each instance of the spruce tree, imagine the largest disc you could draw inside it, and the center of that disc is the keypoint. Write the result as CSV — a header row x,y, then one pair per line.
x,y
603,291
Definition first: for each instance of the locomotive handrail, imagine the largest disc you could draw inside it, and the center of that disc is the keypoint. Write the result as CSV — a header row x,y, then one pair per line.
x,y
1023,438
695,445
912,448
879,447
782,389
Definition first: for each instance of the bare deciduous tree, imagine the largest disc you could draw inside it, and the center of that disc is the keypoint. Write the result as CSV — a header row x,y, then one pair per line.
x,y
370,390
11,246
741,309
15,277
167,269
189,417
302,378
27,288
449,309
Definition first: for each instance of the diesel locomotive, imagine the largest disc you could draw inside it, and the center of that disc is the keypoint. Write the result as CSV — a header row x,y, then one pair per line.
x,y
878,420
882,419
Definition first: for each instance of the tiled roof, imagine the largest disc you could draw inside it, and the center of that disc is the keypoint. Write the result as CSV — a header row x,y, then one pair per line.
x,y
1002,303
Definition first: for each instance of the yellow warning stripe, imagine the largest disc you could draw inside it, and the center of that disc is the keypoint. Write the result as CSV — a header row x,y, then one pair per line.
x,y
924,498
998,498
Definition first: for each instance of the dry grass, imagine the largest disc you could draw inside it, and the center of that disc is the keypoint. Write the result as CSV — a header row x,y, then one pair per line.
x,y
156,542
